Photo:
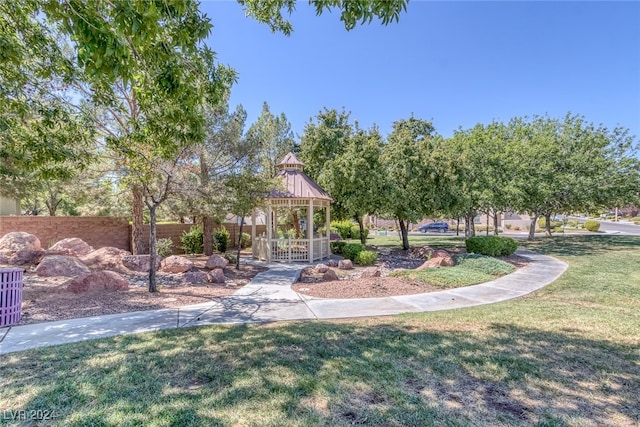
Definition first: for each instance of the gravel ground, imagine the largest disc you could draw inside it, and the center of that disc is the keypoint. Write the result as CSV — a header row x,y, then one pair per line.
x,y
352,285
45,299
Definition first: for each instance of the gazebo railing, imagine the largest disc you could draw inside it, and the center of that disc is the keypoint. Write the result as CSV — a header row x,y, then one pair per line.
x,y
291,250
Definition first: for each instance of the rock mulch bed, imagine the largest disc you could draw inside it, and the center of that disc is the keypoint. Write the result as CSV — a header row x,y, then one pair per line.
x,y
355,283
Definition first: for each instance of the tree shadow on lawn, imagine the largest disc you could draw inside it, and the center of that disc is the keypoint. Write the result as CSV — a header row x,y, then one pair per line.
x,y
581,245
331,374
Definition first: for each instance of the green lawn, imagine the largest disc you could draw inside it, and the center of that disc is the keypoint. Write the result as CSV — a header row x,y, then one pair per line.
x,y
568,354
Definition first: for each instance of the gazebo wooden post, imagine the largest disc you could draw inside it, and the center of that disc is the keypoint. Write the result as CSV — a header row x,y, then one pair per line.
x,y
254,246
310,228
269,231
327,226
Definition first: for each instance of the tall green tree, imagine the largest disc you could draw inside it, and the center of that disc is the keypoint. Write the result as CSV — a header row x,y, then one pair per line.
x,y
273,134
355,178
419,177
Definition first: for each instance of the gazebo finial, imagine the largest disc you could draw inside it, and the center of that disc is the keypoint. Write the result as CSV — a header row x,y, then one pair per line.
x,y
290,162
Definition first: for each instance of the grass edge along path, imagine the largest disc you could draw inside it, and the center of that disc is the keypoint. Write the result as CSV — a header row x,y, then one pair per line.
x,y
566,355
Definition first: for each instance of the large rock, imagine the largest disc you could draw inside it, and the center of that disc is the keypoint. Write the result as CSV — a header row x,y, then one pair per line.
x,y
371,272
22,257
72,246
423,252
330,275
216,261
216,276
140,263
61,265
19,241
98,281
176,264
196,277
332,263
345,264
321,268
107,258
439,258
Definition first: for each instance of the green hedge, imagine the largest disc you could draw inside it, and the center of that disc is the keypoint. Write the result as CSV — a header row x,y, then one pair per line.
x,y
592,225
491,245
366,258
221,239
336,247
351,250
192,240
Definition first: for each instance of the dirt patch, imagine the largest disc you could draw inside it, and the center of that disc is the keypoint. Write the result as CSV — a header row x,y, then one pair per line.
x,y
353,285
45,299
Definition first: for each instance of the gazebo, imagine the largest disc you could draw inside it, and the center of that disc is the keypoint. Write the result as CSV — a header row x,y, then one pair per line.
x,y
290,230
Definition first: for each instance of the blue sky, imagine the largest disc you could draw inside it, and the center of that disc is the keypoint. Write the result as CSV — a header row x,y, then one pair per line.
x,y
455,63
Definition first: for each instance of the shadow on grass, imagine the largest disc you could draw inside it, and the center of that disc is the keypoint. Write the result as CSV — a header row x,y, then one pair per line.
x,y
330,374
581,245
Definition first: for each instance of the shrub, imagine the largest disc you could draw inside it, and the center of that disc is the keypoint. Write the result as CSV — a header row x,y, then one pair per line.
x,y
366,258
355,232
164,247
351,250
554,224
516,228
343,228
230,257
491,245
508,226
221,239
192,240
592,225
336,247
483,264
245,242
572,223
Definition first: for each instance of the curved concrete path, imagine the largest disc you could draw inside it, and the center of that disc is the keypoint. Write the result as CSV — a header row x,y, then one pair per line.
x,y
269,297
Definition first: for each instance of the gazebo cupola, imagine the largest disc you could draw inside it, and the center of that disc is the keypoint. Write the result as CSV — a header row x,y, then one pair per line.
x,y
290,230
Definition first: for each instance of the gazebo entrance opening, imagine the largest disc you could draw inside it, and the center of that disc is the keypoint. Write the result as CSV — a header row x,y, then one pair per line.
x,y
297,218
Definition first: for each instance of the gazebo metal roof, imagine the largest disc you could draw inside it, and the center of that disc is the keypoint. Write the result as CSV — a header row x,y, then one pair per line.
x,y
295,182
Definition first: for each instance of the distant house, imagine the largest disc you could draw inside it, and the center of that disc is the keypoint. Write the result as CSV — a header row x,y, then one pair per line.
x,y
9,206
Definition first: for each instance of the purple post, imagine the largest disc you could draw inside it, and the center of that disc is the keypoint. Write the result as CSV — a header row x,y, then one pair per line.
x,y
10,296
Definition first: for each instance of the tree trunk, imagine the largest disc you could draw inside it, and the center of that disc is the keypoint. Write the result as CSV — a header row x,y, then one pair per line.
x,y
207,235
363,238
239,244
153,286
469,226
137,237
487,230
532,228
547,224
458,227
296,223
405,234
495,223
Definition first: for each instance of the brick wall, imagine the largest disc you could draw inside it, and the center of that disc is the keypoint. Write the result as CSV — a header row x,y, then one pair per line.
x,y
102,231
96,231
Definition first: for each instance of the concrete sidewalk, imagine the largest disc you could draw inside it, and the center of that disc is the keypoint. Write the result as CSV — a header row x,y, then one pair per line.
x,y
269,297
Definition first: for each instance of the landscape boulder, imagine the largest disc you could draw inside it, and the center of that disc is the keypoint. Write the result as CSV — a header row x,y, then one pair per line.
x,y
216,261
345,264
141,263
19,241
22,257
107,258
330,275
422,252
332,263
98,281
371,272
176,264
61,265
216,276
439,258
72,246
196,277
321,268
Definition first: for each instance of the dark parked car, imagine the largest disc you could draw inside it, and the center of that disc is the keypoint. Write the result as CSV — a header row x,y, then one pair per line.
x,y
434,226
